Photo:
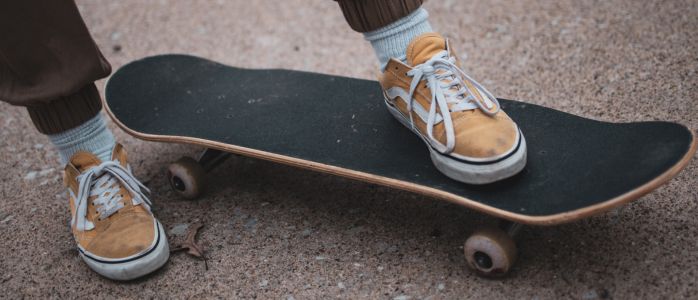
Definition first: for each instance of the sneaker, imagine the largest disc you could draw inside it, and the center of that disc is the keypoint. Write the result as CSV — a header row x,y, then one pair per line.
x,y
116,233
475,142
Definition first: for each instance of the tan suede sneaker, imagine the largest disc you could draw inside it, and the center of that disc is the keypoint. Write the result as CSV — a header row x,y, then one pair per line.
x,y
470,139
117,235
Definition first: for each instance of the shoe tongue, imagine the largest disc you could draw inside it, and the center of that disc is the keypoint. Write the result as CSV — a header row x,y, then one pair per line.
x,y
119,154
84,161
424,47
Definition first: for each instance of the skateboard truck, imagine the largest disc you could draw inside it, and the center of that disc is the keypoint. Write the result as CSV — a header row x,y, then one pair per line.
x,y
186,175
489,251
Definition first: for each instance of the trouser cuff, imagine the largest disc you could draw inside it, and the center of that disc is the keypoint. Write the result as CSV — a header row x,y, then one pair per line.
x,y
66,112
369,15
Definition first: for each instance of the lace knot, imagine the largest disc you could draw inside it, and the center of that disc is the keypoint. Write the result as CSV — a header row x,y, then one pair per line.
x,y
446,82
104,182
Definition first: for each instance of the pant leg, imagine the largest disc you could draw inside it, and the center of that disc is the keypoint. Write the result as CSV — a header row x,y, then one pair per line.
x,y
49,62
369,15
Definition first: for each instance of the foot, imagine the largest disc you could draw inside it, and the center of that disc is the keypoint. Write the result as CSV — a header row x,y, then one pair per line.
x,y
474,141
116,233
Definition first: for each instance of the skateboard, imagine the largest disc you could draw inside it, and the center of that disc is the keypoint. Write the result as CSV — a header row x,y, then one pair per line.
x,y
576,167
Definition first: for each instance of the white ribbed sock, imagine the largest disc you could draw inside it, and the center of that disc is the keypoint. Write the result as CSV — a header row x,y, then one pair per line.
x,y
92,136
392,40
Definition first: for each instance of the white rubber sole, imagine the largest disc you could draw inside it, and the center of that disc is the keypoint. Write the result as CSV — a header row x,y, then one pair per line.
x,y
472,173
132,268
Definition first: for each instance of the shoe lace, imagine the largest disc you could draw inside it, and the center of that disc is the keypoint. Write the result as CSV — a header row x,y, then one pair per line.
x,y
446,81
106,190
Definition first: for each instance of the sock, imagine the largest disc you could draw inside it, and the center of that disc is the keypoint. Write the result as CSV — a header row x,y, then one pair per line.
x,y
392,40
92,136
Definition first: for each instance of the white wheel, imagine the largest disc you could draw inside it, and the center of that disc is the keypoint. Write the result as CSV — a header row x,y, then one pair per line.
x,y
490,252
186,177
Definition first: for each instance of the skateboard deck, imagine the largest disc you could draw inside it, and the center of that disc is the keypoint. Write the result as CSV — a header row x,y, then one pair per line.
x,y
576,167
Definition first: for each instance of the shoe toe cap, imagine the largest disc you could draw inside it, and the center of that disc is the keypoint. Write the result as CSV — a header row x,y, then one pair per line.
x,y
125,237
486,137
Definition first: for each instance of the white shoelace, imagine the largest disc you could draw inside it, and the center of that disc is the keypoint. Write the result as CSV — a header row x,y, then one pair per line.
x,y
446,82
106,190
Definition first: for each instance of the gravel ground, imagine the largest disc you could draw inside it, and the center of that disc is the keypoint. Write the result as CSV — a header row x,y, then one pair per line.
x,y
278,232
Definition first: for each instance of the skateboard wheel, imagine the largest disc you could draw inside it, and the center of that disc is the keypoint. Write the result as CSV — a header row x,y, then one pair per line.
x,y
490,252
186,177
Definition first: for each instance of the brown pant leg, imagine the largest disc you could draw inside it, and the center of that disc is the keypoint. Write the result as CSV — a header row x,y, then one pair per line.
x,y
49,62
369,15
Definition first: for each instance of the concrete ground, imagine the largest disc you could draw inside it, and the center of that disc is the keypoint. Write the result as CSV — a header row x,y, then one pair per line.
x,y
279,232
